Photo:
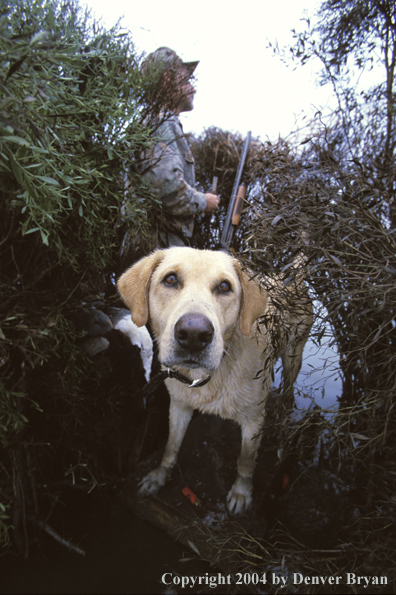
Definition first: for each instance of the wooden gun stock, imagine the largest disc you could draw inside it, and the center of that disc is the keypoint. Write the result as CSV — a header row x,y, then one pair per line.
x,y
238,204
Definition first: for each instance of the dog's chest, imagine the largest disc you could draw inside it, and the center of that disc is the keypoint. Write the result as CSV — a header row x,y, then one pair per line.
x,y
234,393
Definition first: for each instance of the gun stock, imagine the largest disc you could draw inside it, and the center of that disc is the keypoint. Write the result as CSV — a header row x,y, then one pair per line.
x,y
236,213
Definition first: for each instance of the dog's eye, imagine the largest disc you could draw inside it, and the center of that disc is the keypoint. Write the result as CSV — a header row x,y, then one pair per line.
x,y
224,287
170,280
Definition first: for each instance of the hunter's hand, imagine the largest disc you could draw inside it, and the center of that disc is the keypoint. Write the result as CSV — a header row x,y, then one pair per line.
x,y
212,202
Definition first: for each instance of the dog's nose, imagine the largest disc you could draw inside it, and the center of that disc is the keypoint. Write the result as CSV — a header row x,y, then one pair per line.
x,y
194,332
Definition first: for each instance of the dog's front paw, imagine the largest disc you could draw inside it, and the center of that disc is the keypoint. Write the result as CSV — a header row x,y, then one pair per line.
x,y
153,481
239,497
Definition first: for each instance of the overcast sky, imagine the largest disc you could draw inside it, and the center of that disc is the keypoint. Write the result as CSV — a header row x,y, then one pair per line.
x,y
240,85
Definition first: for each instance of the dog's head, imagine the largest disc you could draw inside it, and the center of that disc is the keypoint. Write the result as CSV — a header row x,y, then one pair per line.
x,y
195,299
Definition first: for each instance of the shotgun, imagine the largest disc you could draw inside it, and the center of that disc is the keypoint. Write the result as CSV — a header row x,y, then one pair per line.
x,y
236,201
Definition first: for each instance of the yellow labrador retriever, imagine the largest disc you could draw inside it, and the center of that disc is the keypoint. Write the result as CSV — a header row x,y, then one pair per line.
x,y
203,310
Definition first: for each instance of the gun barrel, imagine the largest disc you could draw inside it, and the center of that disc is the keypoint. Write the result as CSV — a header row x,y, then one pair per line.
x,y
228,230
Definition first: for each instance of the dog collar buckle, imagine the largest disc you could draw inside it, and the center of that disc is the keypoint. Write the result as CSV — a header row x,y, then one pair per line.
x,y
199,382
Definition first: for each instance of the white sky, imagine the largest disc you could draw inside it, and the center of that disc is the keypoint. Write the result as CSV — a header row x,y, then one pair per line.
x,y
240,86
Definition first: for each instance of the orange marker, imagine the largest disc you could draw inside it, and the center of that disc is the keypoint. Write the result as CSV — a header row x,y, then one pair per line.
x,y
191,496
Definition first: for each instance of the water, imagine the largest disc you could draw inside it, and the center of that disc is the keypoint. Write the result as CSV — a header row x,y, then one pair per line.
x,y
320,379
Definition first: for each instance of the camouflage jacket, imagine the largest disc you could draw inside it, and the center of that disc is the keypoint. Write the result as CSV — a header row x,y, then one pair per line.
x,y
172,173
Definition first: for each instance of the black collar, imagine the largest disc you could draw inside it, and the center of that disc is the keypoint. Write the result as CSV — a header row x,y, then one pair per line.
x,y
150,387
191,383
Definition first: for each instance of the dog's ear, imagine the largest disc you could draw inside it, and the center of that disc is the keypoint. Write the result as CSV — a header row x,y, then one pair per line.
x,y
253,301
134,285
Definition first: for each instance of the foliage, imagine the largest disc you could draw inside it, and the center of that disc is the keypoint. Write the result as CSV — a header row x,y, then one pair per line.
x,y
352,163
70,124
4,534
355,44
72,109
329,201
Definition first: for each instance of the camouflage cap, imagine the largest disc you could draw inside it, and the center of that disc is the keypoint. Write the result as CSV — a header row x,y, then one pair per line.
x,y
164,58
